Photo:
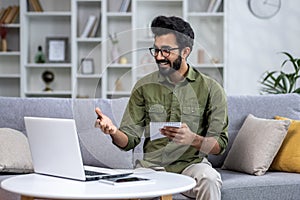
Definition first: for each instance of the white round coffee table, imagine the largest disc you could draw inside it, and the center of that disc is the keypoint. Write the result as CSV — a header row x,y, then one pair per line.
x,y
32,186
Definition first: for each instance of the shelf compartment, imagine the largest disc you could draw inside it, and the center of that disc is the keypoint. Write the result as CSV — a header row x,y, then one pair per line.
x,y
12,38
9,64
88,88
147,10
202,7
55,5
47,27
209,40
216,73
61,82
10,87
84,10
120,79
89,50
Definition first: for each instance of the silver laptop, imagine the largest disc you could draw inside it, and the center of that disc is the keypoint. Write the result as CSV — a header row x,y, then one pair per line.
x,y
55,150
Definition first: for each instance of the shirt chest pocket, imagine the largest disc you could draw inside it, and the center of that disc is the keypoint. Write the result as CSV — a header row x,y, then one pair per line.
x,y
193,116
157,113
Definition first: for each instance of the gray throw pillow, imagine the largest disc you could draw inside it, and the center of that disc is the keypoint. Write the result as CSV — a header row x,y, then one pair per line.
x,y
15,154
256,145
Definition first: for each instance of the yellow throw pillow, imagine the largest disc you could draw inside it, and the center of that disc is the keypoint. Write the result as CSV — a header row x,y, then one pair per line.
x,y
288,156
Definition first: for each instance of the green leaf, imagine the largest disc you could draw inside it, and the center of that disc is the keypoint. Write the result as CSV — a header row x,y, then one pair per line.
x,y
276,82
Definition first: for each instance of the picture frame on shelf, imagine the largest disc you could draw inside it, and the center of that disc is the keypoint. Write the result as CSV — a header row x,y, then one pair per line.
x,y
87,66
57,49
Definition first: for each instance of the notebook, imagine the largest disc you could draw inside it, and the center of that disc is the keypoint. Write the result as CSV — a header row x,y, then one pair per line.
x,y
55,150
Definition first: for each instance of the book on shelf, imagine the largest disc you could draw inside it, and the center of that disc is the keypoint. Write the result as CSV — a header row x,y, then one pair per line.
x,y
12,15
35,5
95,27
210,5
91,22
5,14
214,5
124,6
16,17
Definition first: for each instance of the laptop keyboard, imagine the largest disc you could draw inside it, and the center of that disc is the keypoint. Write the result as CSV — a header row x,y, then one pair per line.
x,y
93,173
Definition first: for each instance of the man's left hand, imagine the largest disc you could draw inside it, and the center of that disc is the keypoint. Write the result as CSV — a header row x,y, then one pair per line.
x,y
182,135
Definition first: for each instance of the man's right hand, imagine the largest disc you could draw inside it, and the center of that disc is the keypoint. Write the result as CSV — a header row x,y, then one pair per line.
x,y
104,123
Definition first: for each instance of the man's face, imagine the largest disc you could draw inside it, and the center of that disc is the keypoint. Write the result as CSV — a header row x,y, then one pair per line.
x,y
168,59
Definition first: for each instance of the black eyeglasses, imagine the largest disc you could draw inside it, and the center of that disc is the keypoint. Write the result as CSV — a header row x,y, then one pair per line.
x,y
165,51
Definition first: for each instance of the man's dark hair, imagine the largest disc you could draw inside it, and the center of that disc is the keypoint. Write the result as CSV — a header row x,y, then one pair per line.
x,y
183,31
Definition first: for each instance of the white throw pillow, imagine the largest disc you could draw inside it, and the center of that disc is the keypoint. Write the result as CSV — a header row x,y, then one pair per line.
x,y
256,145
15,154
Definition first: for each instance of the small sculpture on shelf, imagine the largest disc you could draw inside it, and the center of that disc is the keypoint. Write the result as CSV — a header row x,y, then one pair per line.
x,y
40,56
48,77
114,49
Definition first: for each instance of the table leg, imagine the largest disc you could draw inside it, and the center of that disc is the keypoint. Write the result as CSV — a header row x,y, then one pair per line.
x,y
26,198
166,197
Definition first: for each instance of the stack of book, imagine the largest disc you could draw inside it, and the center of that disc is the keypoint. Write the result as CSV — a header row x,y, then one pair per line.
x,y
214,5
9,15
34,5
124,6
91,27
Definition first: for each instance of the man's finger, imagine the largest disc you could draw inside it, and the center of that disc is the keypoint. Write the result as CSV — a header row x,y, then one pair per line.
x,y
99,113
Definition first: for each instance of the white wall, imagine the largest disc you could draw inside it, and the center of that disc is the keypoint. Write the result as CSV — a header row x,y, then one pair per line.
x,y
253,43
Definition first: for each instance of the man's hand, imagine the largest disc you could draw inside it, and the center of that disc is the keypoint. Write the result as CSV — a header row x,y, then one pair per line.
x,y
104,123
185,136
182,135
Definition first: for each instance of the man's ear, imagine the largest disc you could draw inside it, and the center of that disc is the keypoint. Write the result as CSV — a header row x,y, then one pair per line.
x,y
186,52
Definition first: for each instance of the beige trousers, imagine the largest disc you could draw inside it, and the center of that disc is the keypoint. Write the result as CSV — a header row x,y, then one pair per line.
x,y
209,182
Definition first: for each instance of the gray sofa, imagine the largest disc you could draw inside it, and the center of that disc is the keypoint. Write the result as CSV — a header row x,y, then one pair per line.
x,y
96,146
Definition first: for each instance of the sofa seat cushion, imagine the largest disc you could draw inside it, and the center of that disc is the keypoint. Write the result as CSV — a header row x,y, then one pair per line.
x,y
271,186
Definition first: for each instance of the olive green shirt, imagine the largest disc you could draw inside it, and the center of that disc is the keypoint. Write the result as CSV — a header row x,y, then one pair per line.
x,y
198,101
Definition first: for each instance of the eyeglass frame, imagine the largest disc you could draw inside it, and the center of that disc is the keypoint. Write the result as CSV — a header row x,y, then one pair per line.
x,y
161,51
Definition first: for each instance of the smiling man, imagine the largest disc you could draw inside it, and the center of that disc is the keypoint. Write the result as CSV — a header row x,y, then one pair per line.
x,y
175,93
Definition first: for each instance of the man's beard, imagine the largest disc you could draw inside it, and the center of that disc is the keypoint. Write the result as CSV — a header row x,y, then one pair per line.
x,y
175,66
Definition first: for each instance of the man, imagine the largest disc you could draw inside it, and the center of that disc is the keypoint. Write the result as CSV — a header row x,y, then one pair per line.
x,y
175,93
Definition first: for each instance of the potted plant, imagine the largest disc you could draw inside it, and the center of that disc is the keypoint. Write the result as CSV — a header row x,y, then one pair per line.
x,y
278,82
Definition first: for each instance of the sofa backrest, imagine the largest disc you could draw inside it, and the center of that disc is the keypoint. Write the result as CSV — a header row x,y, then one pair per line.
x,y
97,148
263,106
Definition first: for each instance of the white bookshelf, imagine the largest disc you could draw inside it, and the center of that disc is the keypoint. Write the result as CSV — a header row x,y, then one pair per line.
x,y
67,18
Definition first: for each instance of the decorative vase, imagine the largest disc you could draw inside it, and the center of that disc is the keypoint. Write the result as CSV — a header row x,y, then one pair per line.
x,y
4,44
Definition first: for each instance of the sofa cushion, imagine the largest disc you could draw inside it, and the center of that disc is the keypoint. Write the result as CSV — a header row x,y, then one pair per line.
x,y
256,145
288,156
14,152
271,186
